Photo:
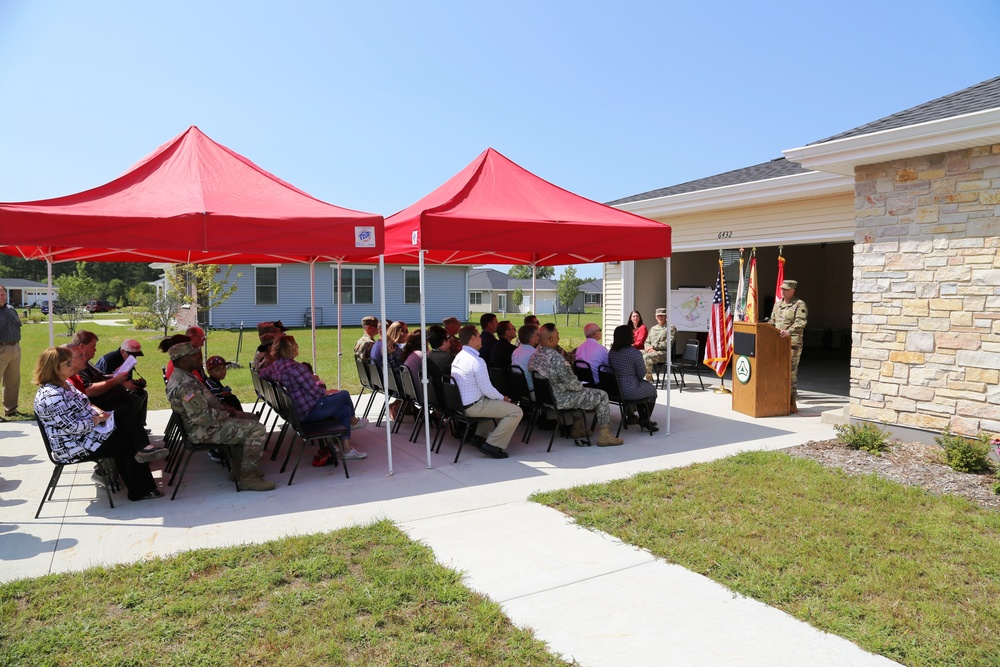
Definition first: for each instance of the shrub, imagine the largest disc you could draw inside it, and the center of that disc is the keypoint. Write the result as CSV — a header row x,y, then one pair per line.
x,y
864,436
144,321
966,454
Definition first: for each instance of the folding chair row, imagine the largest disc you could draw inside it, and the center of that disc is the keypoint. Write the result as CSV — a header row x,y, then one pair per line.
x,y
105,466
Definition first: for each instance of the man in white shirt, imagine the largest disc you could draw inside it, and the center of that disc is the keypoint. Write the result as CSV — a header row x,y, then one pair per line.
x,y
480,397
592,351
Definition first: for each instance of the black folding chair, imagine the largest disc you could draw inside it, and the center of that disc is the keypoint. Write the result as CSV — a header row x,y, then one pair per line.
x,y
454,413
189,448
521,395
323,431
413,393
690,362
499,378
547,401
103,465
584,373
366,383
610,384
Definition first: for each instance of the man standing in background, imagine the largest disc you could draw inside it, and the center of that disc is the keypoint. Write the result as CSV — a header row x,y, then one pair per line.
x,y
10,355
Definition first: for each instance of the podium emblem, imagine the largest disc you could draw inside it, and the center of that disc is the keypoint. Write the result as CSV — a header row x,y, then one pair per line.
x,y
742,369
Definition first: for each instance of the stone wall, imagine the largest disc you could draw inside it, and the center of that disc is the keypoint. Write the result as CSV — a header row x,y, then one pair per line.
x,y
926,321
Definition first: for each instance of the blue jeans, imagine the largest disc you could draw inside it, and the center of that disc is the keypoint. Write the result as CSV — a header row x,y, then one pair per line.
x,y
337,406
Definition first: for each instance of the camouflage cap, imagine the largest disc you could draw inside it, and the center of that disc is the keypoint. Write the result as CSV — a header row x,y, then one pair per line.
x,y
181,350
790,284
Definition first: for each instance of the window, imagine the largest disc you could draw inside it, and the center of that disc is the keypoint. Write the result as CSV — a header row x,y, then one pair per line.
x,y
411,286
266,285
358,287
502,303
475,298
592,299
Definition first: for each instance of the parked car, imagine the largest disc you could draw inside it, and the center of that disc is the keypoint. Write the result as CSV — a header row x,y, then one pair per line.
x,y
100,306
57,307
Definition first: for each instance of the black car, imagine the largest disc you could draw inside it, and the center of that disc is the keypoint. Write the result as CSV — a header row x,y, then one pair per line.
x,y
57,307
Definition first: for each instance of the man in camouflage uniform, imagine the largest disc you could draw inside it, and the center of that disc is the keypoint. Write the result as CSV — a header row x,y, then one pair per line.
x,y
205,419
658,342
570,394
363,348
789,318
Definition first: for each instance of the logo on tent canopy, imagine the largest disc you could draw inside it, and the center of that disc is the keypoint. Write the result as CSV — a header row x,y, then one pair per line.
x,y
364,237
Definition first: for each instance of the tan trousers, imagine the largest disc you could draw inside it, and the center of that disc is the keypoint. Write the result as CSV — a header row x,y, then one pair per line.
x,y
508,414
10,376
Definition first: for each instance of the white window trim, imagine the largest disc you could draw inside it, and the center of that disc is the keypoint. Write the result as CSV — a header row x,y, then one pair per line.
x,y
480,293
353,267
277,283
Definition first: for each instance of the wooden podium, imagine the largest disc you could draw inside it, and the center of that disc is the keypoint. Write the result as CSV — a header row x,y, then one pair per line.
x,y
764,360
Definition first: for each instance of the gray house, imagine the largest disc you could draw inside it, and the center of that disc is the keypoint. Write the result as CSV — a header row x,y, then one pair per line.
x,y
281,292
493,291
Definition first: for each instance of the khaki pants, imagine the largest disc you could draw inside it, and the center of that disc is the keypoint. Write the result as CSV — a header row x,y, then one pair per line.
x,y
10,376
508,414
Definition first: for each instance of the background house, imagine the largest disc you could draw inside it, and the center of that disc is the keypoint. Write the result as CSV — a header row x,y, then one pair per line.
x,y
281,292
492,291
892,230
23,293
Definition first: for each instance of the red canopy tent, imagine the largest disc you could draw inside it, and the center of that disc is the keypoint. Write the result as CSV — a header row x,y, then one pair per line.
x,y
495,211
191,200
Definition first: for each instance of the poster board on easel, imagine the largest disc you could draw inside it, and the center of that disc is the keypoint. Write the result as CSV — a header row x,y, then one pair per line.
x,y
691,308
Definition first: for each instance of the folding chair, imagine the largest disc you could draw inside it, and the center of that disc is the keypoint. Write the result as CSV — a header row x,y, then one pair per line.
x,y
189,448
108,471
454,412
323,431
610,384
584,373
547,401
690,362
520,394
366,383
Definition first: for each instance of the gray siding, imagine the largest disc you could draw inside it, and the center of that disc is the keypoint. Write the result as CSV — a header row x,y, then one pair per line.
x,y
445,285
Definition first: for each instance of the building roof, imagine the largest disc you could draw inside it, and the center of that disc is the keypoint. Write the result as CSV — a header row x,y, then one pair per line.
x,y
481,278
980,97
759,172
21,283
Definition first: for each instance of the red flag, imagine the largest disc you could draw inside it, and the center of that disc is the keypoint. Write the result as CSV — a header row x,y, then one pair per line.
x,y
753,314
720,328
781,278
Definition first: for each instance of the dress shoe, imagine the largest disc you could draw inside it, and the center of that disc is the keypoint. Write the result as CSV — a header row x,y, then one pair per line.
x,y
494,451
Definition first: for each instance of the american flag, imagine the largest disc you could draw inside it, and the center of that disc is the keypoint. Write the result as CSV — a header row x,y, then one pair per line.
x,y
720,329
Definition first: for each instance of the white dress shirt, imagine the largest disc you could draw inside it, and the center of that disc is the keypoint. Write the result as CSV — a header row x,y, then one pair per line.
x,y
472,377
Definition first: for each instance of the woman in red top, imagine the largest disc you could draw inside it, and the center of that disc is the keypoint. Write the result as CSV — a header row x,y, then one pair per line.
x,y
639,331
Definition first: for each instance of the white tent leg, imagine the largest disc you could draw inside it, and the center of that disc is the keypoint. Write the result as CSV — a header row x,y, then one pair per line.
x,y
385,358
312,307
52,333
670,352
423,362
340,329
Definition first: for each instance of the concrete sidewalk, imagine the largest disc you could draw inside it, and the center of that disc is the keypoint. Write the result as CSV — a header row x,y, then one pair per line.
x,y
591,597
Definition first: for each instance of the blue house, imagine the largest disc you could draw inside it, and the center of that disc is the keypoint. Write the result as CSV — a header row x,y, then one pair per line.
x,y
281,292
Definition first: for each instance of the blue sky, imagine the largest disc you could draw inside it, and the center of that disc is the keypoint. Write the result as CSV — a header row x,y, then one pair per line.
x,y
372,105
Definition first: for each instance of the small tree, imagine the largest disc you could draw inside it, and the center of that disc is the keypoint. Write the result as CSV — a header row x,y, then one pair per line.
x,y
208,292
74,293
517,297
568,289
117,289
163,308
524,272
141,294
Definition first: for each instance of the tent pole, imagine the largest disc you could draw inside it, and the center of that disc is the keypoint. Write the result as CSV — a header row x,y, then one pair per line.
x,y
670,352
385,358
423,361
534,300
340,331
312,308
52,334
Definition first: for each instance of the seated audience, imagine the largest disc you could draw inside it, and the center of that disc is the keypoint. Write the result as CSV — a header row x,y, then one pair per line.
x,y
503,349
658,342
217,371
439,359
591,350
312,403
569,393
451,327
109,392
72,424
639,332
267,332
369,329
205,419
528,337
629,367
488,324
195,336
531,319
412,355
481,399
111,361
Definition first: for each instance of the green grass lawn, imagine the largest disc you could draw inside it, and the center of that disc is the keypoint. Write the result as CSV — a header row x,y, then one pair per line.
x,y
35,338
359,596
900,572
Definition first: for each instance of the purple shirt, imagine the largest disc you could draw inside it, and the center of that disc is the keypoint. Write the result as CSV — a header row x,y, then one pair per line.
x,y
298,381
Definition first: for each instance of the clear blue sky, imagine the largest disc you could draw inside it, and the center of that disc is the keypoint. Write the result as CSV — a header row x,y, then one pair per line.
x,y
370,105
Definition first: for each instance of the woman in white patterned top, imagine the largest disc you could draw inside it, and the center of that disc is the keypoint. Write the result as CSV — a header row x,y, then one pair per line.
x,y
71,423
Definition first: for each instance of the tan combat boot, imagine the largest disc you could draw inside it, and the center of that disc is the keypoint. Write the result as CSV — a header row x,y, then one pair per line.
x,y
605,439
579,429
252,481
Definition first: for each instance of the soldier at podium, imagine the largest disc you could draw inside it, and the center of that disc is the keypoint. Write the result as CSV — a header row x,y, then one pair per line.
x,y
789,318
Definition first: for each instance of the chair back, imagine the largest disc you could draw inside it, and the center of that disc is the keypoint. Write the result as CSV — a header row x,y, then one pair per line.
x,y
286,407
270,391
584,373
498,378
691,352
609,382
543,391
408,386
452,397
519,385
45,441
164,369
363,377
375,377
